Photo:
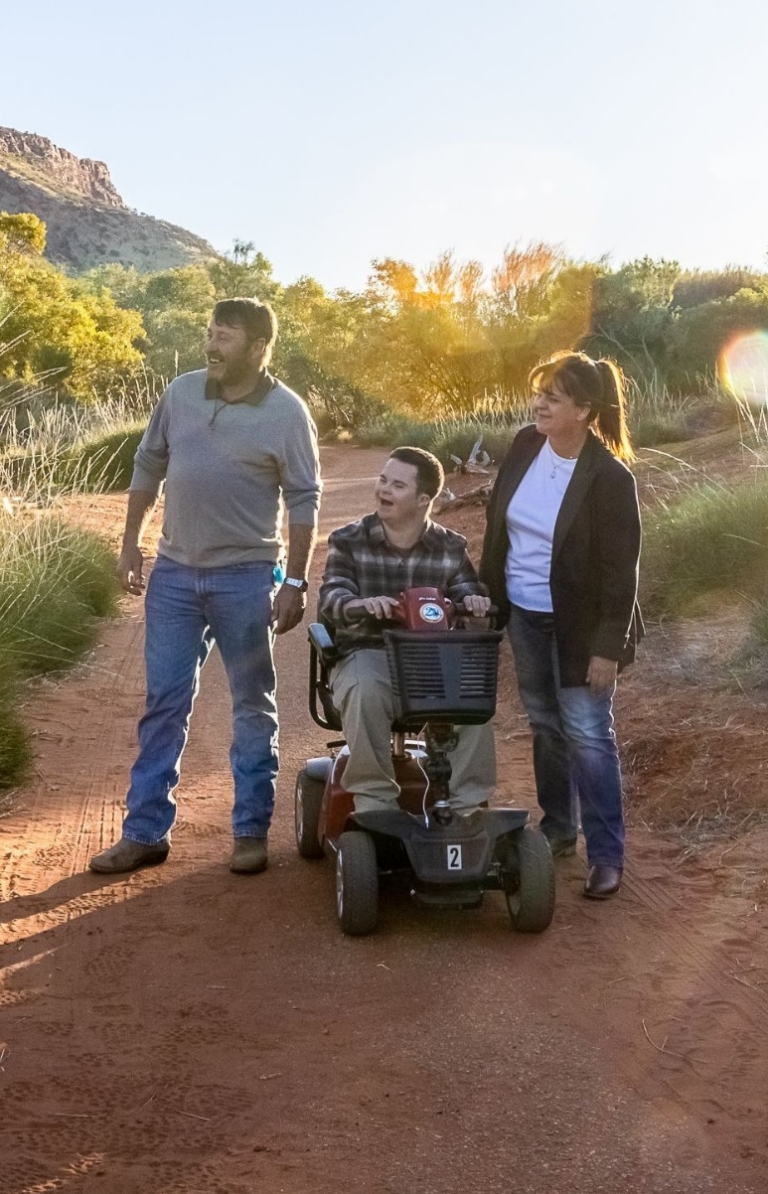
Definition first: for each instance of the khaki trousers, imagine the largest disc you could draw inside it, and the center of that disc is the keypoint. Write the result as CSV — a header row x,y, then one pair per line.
x,y
362,693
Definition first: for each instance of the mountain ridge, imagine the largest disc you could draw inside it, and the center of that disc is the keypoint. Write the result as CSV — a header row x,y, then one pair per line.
x,y
88,223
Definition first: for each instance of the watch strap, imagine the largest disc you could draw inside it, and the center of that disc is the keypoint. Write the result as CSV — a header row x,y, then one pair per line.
x,y
296,583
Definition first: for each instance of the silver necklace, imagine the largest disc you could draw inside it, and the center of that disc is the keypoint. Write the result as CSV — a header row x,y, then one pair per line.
x,y
557,462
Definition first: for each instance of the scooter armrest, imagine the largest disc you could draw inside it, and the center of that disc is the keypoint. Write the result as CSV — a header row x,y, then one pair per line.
x,y
323,643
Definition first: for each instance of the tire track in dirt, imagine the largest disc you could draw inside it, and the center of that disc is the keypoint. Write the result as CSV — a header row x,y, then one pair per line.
x,y
677,992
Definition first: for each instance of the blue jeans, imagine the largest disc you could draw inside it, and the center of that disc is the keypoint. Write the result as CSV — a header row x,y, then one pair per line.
x,y
187,610
575,756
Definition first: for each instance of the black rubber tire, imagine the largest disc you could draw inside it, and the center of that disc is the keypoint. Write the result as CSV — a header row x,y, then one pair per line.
x,y
308,799
531,894
357,883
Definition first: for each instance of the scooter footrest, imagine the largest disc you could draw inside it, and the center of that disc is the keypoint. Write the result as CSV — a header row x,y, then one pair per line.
x,y
452,897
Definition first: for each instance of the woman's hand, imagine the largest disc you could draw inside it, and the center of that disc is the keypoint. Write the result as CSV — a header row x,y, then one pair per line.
x,y
477,606
601,674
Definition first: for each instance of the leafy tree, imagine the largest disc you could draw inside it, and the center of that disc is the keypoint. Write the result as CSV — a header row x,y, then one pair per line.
x,y
243,273
701,333
23,232
53,325
391,284
522,281
633,314
696,287
175,306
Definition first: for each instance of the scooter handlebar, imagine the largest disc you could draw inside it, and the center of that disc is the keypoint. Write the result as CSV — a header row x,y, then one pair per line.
x,y
399,616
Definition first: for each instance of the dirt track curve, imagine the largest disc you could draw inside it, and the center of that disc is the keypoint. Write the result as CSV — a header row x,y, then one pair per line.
x,y
185,1030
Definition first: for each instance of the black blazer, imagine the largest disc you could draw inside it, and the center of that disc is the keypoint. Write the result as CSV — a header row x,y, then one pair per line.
x,y
595,555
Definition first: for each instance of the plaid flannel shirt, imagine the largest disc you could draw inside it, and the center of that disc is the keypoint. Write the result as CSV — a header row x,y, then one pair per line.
x,y
362,563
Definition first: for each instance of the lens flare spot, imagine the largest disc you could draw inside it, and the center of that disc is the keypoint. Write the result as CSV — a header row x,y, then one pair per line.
x,y
743,367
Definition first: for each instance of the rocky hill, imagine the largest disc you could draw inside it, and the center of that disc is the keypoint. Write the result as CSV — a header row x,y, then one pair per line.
x,y
87,221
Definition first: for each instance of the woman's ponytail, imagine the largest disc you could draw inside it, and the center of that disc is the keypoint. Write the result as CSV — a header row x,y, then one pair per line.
x,y
610,421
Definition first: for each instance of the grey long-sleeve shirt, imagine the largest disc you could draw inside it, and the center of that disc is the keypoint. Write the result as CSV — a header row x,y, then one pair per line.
x,y
230,470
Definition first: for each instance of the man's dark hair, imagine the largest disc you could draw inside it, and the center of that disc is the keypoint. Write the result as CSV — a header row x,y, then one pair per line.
x,y
257,319
429,471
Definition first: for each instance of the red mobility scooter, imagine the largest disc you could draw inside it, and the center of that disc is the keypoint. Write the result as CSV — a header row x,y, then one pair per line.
x,y
444,674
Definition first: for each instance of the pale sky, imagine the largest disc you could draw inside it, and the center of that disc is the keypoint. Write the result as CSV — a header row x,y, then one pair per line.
x,y
332,133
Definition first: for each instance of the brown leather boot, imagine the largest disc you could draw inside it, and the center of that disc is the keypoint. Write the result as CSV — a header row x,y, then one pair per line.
x,y
127,855
249,856
603,881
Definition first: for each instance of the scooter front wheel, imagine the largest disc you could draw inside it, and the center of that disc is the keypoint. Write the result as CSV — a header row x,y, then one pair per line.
x,y
308,800
531,893
357,883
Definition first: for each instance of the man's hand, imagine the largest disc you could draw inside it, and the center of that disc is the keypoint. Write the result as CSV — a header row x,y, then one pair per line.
x,y
601,674
477,606
129,570
378,607
288,609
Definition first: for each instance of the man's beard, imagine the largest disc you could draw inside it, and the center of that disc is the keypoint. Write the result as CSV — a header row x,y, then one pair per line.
x,y
233,372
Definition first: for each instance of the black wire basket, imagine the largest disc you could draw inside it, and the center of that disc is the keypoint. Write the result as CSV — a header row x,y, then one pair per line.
x,y
446,676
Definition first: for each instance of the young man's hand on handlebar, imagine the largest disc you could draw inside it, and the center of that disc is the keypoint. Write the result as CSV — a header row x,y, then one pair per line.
x,y
383,608
477,606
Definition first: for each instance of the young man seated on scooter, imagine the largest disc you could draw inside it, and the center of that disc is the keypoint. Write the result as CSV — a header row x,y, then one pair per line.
x,y
370,563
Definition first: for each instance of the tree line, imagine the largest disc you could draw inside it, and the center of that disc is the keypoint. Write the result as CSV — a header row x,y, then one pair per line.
x,y
427,344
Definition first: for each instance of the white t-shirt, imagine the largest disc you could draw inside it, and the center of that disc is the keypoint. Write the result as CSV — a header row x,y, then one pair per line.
x,y
531,517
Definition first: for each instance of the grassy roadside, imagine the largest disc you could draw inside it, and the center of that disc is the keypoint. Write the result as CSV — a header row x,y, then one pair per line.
x,y
54,582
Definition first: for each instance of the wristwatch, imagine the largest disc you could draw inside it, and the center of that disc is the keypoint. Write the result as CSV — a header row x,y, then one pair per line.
x,y
295,583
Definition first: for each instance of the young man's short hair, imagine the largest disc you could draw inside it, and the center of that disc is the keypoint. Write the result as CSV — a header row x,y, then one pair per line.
x,y
429,471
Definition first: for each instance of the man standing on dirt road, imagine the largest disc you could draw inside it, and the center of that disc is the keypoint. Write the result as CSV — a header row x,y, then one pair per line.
x,y
234,446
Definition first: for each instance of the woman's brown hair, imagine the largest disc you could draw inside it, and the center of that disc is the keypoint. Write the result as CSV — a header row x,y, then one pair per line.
x,y
596,384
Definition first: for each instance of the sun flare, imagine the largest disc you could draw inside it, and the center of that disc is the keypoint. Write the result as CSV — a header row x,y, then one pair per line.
x,y
743,367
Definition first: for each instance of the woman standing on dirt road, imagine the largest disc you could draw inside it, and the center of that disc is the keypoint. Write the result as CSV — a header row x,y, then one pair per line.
x,y
560,558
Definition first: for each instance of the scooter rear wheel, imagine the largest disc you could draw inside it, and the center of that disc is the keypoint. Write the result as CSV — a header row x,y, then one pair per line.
x,y
531,895
308,799
357,883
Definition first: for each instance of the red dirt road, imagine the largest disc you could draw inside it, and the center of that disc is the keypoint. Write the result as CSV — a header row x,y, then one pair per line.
x,y
185,1030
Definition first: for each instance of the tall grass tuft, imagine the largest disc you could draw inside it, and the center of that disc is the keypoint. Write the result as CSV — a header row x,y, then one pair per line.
x,y
70,447
658,415
15,751
494,418
714,538
55,580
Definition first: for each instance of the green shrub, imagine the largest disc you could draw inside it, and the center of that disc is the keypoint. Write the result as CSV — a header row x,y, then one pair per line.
x,y
457,438
712,539
68,451
104,463
391,430
446,437
650,430
15,752
658,415
54,581
759,624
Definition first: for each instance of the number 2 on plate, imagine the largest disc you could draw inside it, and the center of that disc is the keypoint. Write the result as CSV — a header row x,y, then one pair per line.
x,y
454,858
